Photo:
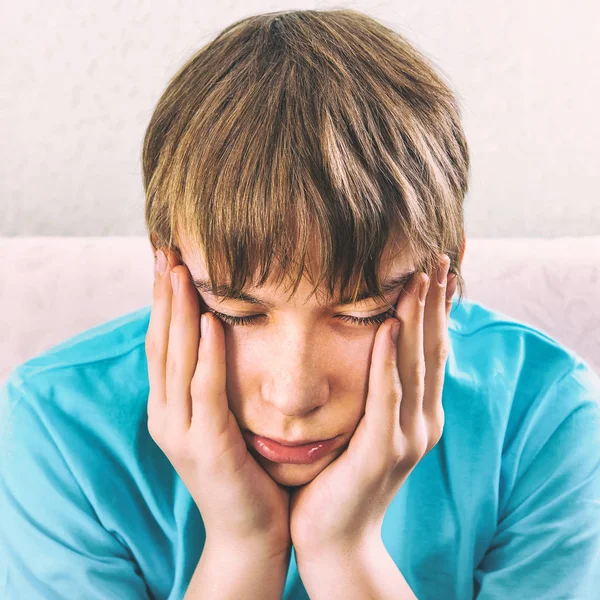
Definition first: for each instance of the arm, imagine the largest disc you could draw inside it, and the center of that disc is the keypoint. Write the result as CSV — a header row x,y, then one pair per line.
x,y
365,571
226,572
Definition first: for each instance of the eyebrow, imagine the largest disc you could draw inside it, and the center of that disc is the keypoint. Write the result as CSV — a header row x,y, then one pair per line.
x,y
389,285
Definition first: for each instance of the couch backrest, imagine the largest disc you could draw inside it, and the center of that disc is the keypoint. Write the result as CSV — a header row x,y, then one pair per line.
x,y
54,287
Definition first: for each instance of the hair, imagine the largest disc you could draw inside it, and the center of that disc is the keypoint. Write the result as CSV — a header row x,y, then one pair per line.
x,y
305,130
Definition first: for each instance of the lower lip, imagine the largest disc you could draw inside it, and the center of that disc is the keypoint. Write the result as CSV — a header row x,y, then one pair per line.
x,y
301,455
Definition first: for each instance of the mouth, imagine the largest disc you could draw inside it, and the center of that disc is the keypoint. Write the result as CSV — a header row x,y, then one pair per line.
x,y
297,452
293,443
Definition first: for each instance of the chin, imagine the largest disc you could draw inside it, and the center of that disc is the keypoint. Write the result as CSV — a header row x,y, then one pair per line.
x,y
293,475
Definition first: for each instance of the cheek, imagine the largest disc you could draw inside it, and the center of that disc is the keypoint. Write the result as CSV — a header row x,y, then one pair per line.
x,y
352,364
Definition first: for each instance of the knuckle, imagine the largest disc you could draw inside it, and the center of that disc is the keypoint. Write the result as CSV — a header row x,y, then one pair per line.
x,y
438,354
151,346
419,447
417,371
419,441
171,369
404,456
402,453
395,389
390,363
398,453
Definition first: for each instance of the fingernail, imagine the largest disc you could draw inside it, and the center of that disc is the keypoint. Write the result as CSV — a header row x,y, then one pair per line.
x,y
394,330
162,262
203,325
174,282
443,270
423,290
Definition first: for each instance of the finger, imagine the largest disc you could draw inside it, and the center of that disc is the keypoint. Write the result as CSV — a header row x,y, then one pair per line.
x,y
210,408
184,338
157,335
411,360
435,347
384,396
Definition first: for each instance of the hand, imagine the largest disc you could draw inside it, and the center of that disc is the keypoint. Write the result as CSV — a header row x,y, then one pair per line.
x,y
345,504
190,420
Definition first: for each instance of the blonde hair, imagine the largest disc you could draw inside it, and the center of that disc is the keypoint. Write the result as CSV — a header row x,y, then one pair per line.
x,y
303,126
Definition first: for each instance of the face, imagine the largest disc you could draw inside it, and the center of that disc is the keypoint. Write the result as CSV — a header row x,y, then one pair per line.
x,y
299,367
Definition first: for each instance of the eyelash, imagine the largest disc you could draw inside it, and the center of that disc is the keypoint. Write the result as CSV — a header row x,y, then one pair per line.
x,y
375,319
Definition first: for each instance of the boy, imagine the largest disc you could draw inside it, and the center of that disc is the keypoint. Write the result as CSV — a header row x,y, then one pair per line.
x,y
456,456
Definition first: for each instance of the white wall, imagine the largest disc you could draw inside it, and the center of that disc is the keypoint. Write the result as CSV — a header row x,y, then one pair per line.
x,y
79,80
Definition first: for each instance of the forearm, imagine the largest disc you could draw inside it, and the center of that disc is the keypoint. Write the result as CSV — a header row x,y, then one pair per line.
x,y
225,573
353,573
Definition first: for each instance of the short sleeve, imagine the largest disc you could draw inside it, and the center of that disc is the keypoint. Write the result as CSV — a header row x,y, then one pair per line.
x,y
547,541
52,545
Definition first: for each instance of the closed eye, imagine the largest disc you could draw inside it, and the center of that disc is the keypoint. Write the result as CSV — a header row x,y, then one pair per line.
x,y
373,320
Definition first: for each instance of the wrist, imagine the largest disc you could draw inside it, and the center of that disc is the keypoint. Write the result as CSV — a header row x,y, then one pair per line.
x,y
249,549
348,551
239,569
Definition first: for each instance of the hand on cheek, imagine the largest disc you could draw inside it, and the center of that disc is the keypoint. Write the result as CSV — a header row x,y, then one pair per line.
x,y
403,420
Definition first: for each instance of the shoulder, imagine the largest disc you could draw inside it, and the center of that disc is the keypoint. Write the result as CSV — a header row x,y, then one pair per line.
x,y
512,379
109,340
94,381
492,348
516,380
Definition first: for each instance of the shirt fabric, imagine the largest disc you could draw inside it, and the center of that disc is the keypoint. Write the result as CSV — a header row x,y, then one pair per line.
x,y
507,504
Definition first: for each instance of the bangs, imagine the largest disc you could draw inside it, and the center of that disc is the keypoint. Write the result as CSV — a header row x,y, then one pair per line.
x,y
282,153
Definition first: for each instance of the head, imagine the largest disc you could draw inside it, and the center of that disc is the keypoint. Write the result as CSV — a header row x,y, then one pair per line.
x,y
303,157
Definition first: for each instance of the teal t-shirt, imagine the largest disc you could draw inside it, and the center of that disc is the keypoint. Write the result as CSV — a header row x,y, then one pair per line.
x,y
506,505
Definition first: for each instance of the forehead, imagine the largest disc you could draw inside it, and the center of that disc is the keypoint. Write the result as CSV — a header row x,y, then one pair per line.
x,y
396,254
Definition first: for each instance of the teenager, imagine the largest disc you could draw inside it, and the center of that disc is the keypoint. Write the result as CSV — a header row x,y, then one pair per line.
x,y
303,411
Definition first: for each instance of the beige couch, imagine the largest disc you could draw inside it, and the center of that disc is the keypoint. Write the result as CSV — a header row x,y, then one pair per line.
x,y
54,287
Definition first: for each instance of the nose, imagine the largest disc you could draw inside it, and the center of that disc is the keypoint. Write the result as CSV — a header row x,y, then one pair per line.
x,y
296,382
